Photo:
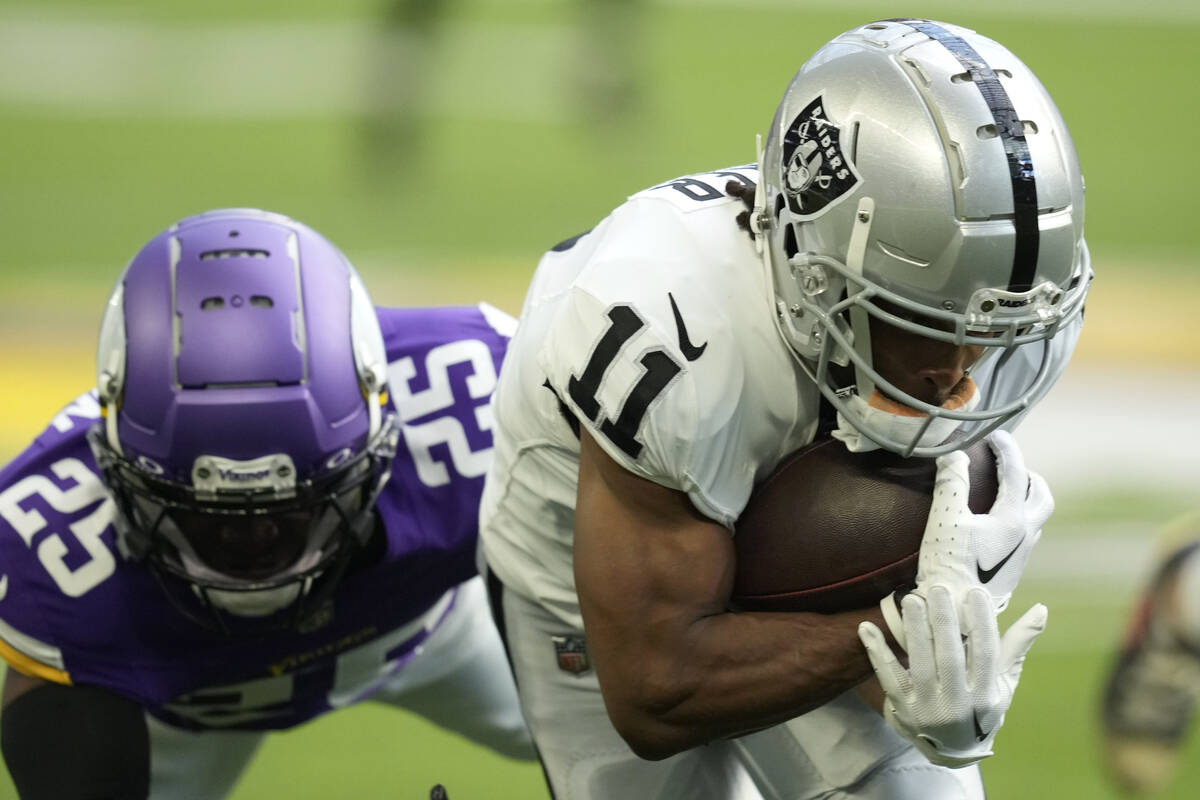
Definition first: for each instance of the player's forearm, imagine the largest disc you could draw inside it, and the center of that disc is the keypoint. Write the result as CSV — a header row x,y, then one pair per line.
x,y
63,742
726,675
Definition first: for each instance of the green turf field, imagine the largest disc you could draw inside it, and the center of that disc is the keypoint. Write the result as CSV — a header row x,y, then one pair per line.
x,y
119,116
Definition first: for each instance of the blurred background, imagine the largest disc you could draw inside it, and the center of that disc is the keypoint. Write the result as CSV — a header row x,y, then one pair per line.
x,y
444,145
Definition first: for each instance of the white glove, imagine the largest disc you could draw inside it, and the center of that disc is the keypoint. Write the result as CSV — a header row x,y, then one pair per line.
x,y
951,700
959,549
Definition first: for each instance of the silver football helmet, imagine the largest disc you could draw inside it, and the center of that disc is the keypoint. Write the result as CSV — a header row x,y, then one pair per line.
x,y
919,174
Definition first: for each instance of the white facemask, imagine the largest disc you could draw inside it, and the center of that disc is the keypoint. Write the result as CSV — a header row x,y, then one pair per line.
x,y
255,604
889,419
260,602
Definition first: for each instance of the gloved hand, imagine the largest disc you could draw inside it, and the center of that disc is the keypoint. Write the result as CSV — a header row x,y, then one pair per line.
x,y
961,550
951,699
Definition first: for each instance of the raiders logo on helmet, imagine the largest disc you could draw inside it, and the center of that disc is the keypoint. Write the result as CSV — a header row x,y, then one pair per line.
x,y
816,171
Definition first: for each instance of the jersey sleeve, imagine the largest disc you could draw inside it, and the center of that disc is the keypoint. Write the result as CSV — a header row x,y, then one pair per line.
x,y
32,656
639,354
54,541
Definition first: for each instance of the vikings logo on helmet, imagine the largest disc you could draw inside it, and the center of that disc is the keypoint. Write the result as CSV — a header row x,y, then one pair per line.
x,y
816,171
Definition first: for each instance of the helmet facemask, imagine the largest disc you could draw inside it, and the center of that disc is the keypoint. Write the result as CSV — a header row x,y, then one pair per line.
x,y
252,559
839,335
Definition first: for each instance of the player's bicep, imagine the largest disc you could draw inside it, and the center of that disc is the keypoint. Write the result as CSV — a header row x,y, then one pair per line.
x,y
647,564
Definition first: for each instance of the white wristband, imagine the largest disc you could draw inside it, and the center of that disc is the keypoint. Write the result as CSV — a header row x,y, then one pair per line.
x,y
890,606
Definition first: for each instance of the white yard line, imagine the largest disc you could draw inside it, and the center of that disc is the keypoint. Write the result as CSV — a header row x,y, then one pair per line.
x,y
1146,11
1124,427
1151,11
90,61
91,67
1093,561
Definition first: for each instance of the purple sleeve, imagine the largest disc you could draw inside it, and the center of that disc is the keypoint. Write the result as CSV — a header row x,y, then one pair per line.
x,y
71,603
443,365
57,554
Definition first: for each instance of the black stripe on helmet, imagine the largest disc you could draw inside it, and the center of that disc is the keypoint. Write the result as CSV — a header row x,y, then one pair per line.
x,y
1012,135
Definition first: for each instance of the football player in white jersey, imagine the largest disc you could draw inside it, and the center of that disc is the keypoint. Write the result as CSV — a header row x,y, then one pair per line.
x,y
1151,693
909,274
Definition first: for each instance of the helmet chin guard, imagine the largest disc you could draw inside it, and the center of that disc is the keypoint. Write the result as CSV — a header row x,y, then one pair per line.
x,y
919,175
245,436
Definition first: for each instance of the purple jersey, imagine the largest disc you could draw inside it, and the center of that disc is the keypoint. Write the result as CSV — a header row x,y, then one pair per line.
x,y
73,610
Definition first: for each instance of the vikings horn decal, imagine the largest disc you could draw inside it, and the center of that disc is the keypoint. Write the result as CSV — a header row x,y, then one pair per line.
x,y
816,171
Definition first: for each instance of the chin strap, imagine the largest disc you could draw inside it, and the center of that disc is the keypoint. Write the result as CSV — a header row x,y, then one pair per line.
x,y
759,222
760,225
108,387
860,323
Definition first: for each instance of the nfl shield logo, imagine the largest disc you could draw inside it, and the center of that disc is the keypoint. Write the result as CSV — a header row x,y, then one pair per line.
x,y
572,654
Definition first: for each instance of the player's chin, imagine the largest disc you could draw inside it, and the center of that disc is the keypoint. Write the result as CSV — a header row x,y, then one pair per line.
x,y
255,604
952,397
901,403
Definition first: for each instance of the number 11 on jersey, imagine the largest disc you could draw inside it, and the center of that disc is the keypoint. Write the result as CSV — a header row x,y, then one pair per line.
x,y
660,370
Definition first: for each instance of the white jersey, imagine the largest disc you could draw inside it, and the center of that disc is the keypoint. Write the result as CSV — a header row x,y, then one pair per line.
x,y
656,332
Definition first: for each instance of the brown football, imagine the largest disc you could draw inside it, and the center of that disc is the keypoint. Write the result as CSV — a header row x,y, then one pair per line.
x,y
832,530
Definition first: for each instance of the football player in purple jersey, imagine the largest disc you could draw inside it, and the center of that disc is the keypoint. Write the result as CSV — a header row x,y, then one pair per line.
x,y
240,529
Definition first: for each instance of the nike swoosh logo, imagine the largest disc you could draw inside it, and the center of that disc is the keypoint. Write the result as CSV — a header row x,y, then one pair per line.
x,y
986,575
690,351
979,734
3,587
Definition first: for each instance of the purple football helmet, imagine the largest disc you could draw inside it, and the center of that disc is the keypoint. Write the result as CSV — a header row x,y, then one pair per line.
x,y
245,435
